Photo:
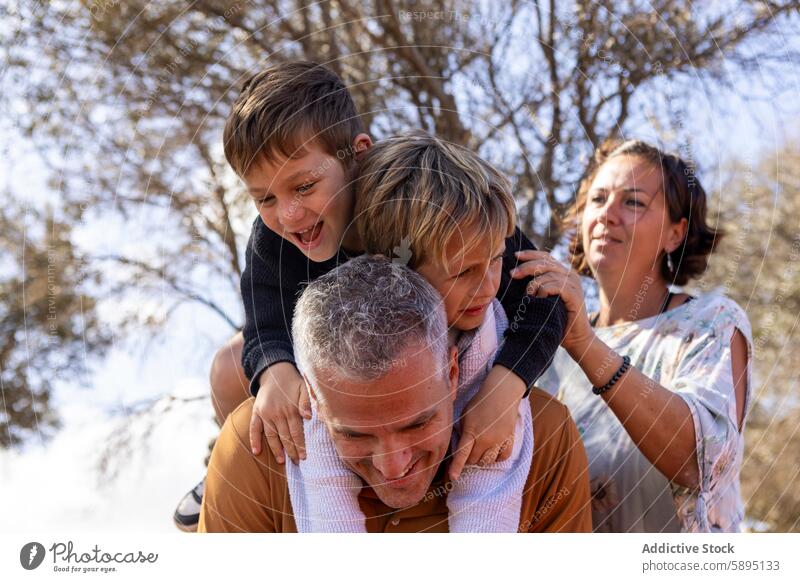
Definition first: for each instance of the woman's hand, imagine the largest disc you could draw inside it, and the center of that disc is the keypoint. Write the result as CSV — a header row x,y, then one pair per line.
x,y
658,420
550,277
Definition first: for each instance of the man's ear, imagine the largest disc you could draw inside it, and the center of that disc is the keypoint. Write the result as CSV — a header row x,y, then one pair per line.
x,y
311,393
361,144
452,372
677,234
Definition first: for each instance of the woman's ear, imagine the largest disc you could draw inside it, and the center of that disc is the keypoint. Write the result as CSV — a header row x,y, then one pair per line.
x,y
676,234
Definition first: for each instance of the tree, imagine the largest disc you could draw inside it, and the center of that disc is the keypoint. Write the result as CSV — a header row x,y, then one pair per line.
x,y
758,265
49,328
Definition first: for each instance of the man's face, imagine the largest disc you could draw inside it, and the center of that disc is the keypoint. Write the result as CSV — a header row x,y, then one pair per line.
x,y
307,199
393,432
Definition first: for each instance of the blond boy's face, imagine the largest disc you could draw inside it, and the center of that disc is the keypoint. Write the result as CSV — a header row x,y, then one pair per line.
x,y
468,282
307,199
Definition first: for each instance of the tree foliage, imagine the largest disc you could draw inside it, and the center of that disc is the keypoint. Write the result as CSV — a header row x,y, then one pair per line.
x,y
758,265
49,327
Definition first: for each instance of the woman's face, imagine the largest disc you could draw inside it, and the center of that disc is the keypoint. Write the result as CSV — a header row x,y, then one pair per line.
x,y
625,225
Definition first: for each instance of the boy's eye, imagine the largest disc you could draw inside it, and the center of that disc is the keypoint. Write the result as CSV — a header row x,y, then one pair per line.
x,y
305,187
267,201
471,269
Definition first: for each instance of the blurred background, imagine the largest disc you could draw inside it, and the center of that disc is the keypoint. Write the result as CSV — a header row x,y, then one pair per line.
x,y
122,230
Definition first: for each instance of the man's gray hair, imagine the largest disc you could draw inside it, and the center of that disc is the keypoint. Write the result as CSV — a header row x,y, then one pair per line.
x,y
357,320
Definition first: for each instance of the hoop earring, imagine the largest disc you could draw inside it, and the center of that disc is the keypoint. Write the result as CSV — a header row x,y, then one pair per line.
x,y
670,266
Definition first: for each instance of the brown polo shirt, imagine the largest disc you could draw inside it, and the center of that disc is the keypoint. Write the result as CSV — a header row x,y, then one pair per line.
x,y
249,493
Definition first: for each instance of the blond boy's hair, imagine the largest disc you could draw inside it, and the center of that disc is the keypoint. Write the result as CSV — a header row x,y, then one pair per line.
x,y
283,108
415,192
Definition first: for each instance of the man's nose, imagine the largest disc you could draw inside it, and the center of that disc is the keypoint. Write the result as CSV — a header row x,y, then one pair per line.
x,y
392,460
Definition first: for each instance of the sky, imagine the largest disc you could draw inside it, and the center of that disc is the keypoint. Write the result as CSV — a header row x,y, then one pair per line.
x,y
58,483
60,487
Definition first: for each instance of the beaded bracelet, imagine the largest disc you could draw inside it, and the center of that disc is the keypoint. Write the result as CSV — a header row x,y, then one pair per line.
x,y
626,364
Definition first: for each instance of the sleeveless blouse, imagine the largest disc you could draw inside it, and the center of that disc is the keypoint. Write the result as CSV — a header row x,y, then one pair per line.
x,y
687,350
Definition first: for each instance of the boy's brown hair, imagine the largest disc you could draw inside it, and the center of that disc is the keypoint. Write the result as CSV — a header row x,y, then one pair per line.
x,y
414,192
284,107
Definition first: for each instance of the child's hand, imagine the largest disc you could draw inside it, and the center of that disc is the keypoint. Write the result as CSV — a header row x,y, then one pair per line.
x,y
280,402
487,428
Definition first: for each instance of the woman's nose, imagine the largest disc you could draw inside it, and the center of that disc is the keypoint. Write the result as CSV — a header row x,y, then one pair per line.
x,y
609,213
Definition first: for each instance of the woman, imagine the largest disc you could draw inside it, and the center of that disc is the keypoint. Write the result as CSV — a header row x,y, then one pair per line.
x,y
657,381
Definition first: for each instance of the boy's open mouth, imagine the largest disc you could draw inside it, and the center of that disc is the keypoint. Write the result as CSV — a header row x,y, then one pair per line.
x,y
309,236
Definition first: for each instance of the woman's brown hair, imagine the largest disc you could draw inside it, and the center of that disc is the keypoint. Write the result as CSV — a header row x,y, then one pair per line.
x,y
684,197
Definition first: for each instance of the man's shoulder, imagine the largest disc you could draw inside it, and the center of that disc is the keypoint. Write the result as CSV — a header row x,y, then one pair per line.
x,y
244,492
236,431
233,443
239,419
557,491
550,416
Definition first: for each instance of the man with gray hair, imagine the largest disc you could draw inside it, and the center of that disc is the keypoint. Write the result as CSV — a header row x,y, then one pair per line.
x,y
371,339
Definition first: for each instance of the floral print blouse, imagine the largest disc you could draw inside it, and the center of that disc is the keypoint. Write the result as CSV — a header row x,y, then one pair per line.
x,y
686,349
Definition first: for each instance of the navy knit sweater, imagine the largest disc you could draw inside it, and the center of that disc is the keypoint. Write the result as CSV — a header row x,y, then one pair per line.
x,y
276,271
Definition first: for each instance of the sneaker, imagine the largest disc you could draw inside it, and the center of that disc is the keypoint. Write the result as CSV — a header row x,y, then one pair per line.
x,y
187,515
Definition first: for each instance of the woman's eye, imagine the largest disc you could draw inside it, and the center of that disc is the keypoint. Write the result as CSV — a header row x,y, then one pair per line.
x,y
597,198
635,203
